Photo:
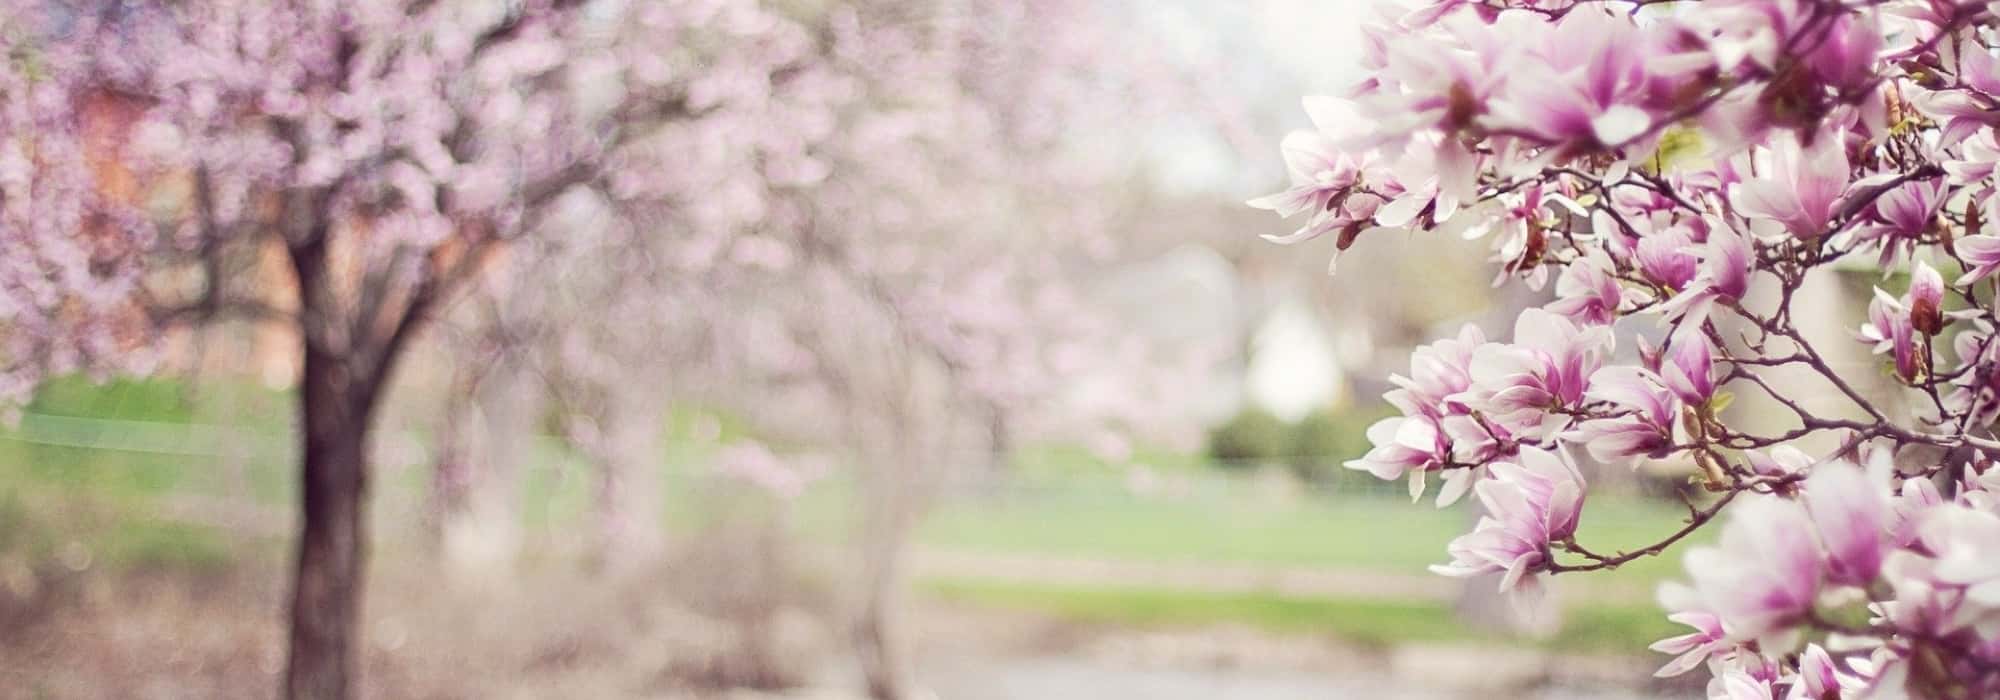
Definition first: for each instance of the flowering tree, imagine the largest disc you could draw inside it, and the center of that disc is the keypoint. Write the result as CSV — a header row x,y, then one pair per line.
x,y
1699,163
390,149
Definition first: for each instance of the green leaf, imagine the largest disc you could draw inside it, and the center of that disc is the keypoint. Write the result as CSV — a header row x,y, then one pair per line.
x,y
1720,402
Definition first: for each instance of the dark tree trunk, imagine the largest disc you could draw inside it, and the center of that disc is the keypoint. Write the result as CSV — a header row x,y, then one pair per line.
x,y
334,411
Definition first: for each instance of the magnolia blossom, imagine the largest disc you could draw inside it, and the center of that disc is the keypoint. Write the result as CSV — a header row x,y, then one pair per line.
x,y
1645,427
1763,575
1547,367
1663,162
1982,254
1889,330
1851,513
1689,369
1438,372
1694,647
1902,217
1587,293
1530,505
1802,179
1724,276
1819,678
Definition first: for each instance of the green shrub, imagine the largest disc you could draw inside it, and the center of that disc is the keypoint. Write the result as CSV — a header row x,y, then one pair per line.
x,y
1324,439
1253,436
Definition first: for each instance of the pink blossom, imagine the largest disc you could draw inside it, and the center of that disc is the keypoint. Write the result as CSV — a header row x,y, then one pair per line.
x,y
1889,330
1975,392
1980,252
1319,172
1587,87
1798,184
1738,684
1782,461
1926,300
1587,293
1407,445
1691,648
1690,367
1668,258
1547,367
1763,575
1851,513
1645,424
1438,372
1819,678
1902,216
1966,547
1724,276
1529,506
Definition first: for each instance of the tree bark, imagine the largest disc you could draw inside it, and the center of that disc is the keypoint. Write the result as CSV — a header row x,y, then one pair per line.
x,y
629,451
878,633
334,411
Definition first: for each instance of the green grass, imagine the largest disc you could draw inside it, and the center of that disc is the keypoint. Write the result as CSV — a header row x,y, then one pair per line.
x,y
1362,533
1592,628
1063,501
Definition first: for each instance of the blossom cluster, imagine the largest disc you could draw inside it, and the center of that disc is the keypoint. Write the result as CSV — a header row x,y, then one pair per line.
x,y
1697,164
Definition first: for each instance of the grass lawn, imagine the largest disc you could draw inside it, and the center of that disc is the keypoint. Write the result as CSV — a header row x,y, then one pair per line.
x,y
54,496
1590,628
1368,533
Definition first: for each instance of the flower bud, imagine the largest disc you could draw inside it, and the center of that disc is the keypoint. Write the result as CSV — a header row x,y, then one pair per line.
x,y
1926,298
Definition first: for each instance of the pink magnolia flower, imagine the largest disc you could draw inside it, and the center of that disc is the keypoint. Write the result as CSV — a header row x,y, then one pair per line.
x,y
1440,78
1403,445
1529,505
1973,391
1965,112
1798,186
1819,678
1902,216
1438,371
1318,171
1668,258
1783,460
1547,367
1644,425
1926,300
1583,87
1913,501
1427,184
1691,648
1889,330
1966,545
1761,578
1982,253
1587,293
1976,160
1851,513
1739,684
1846,58
1724,276
1689,370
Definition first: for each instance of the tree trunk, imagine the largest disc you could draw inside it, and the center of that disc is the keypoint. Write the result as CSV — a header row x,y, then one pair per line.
x,y
629,455
334,410
475,488
885,663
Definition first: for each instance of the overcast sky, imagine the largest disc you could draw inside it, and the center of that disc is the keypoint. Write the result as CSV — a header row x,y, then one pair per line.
x,y
1268,54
